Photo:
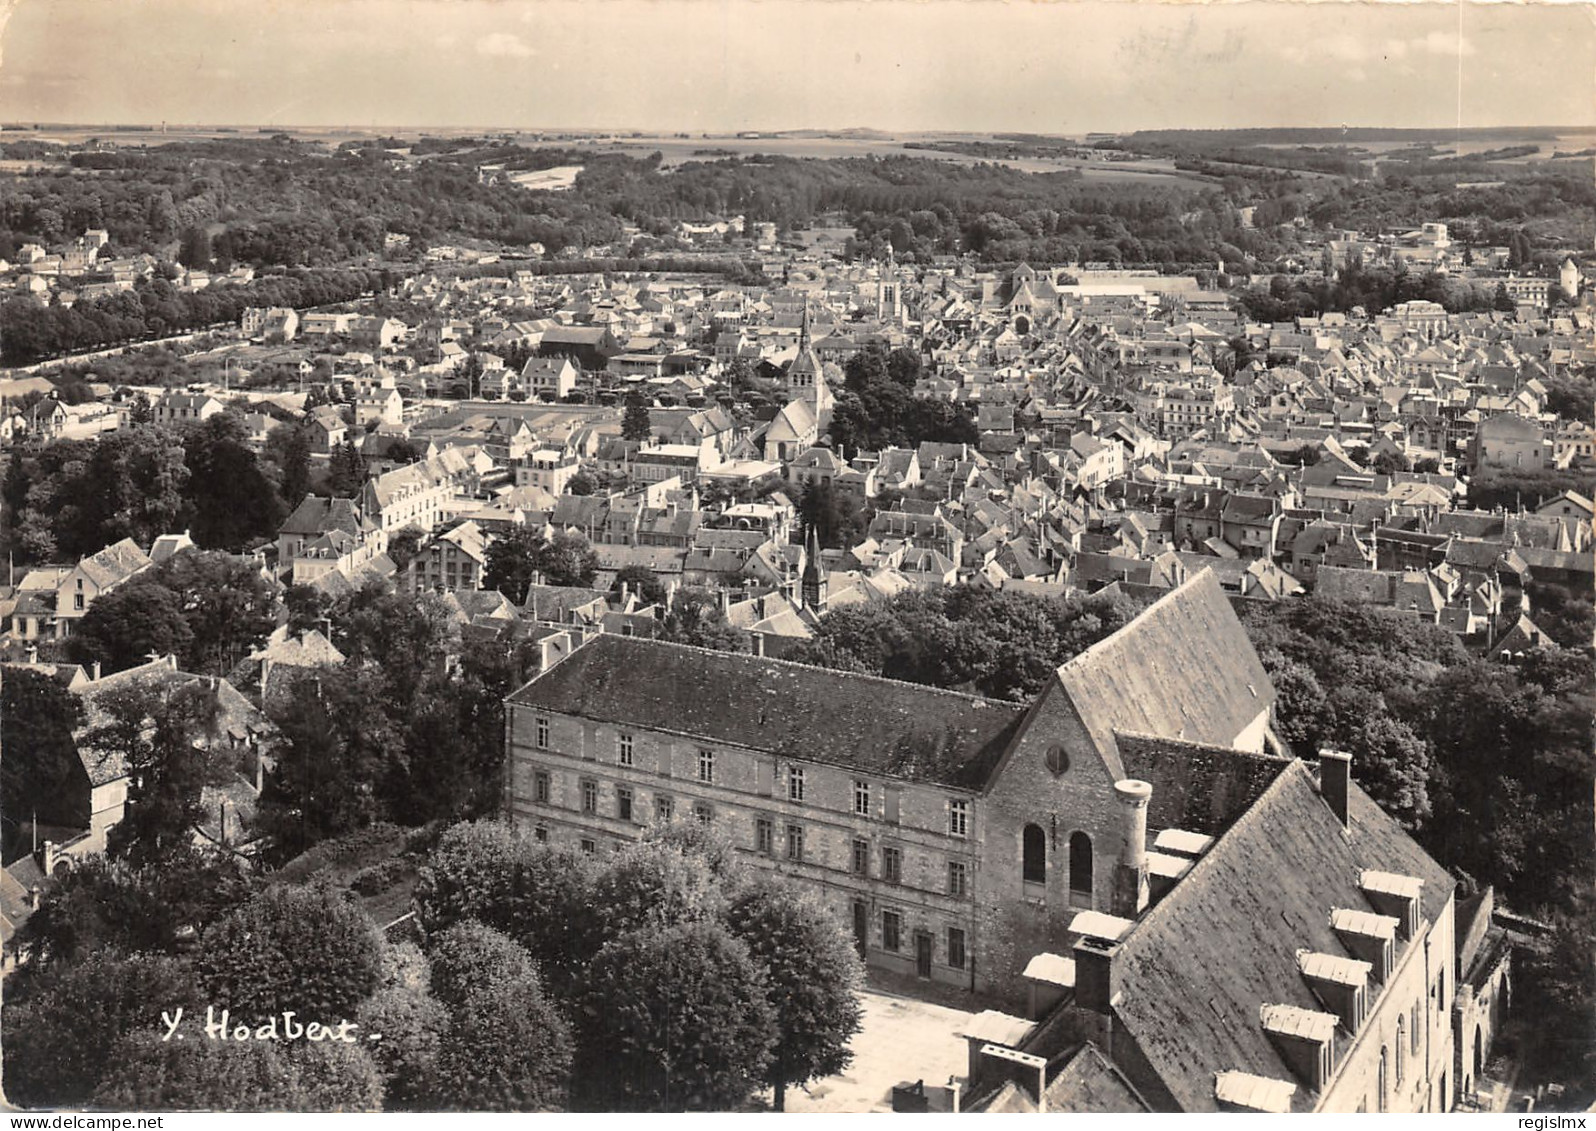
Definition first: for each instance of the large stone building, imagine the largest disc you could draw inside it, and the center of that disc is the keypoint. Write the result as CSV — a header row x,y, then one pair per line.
x,y
1132,861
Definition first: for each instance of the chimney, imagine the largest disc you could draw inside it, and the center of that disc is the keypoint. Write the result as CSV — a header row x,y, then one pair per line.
x,y
96,671
1335,775
1130,873
1094,989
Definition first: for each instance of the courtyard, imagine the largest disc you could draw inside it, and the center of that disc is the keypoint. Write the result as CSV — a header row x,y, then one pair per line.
x,y
905,1038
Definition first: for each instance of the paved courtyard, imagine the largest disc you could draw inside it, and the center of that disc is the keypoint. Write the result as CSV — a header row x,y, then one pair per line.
x,y
904,1039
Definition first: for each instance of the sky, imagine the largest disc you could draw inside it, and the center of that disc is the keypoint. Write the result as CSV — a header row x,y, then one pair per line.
x,y
1045,66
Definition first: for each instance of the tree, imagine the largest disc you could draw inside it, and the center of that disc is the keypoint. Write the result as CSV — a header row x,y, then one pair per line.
x,y
676,1018
346,471
312,950
158,733
508,1048
1502,300
696,618
835,517
1556,985
339,747
813,976
568,560
654,883
74,1014
581,484
904,366
511,563
126,626
232,502
288,447
402,548
228,606
104,904
413,1026
635,422
40,767
540,895
147,1073
335,1076
641,580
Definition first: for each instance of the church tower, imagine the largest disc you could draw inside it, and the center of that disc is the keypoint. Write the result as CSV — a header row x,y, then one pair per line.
x,y
806,380
814,581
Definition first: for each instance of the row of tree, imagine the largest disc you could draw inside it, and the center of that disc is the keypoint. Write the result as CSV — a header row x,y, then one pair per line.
x,y
689,981
30,332
72,498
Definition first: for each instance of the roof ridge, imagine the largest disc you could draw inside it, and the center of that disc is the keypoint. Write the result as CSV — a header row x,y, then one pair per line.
x,y
773,661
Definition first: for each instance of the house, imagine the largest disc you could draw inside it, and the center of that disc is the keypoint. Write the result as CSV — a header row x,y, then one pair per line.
x,y
454,560
94,575
589,347
326,427
316,516
382,406
1510,441
548,469
239,731
549,378
185,408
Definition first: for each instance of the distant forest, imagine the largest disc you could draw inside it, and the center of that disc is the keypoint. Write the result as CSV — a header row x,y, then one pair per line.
x,y
283,205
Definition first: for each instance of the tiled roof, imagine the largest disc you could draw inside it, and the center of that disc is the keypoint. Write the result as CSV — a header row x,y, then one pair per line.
x,y
1183,669
115,563
876,725
1193,974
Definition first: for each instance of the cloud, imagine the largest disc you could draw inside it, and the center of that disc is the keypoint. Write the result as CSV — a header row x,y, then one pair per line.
x,y
503,44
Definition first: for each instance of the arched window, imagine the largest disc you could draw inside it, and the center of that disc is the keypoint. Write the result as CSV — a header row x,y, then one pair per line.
x,y
1033,866
1401,1047
1382,1083
1081,863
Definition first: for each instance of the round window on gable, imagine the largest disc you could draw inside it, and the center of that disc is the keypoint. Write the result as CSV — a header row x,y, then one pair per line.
x,y
1058,760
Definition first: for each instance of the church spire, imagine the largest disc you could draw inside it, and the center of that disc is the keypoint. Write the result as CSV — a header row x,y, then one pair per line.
x,y
814,580
803,330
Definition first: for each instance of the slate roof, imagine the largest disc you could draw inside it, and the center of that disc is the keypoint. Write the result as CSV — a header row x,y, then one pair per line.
x,y
1183,669
115,563
1198,965
876,725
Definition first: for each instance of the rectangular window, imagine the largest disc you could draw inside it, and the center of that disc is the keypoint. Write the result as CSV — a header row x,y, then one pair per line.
x,y
958,818
623,751
541,834
892,865
623,803
958,878
589,846
891,929
861,857
77,601
795,842
795,783
764,836
663,809
543,732
540,787
590,797
956,948
861,798
706,765
704,813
